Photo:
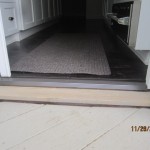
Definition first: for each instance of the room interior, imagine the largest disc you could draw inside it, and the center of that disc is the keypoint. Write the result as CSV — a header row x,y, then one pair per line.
x,y
71,39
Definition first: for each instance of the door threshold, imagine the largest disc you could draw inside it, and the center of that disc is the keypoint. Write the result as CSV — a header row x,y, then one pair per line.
x,y
70,96
76,83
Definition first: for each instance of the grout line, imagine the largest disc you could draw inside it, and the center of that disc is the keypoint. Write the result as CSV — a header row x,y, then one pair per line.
x,y
22,114
99,137
42,132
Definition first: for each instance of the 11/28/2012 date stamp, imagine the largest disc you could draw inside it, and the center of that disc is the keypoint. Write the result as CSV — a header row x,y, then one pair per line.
x,y
140,128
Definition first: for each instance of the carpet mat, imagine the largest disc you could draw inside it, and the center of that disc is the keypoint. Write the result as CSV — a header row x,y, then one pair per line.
x,y
71,53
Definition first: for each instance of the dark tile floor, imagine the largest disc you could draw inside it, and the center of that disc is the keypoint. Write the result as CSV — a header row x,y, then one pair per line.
x,y
125,66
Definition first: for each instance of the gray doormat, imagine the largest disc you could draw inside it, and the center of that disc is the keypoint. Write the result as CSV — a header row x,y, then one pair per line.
x,y
67,54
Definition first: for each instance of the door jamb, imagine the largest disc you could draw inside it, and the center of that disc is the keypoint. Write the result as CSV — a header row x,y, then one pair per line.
x,y
4,60
148,76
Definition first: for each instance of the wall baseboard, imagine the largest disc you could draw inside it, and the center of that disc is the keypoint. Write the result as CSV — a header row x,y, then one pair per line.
x,y
12,38
144,56
24,34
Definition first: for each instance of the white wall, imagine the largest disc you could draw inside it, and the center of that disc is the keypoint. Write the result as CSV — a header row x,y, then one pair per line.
x,y
94,9
143,36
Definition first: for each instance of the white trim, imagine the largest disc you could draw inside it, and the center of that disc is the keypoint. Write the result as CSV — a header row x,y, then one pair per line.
x,y
4,61
148,77
12,38
144,56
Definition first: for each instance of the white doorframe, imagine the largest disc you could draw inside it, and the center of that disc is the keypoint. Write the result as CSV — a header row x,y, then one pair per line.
x,y
4,60
148,77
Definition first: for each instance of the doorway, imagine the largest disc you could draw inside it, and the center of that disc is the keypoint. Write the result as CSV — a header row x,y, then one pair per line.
x,y
74,9
76,48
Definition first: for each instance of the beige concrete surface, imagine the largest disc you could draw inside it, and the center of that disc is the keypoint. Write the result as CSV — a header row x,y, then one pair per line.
x,y
51,127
